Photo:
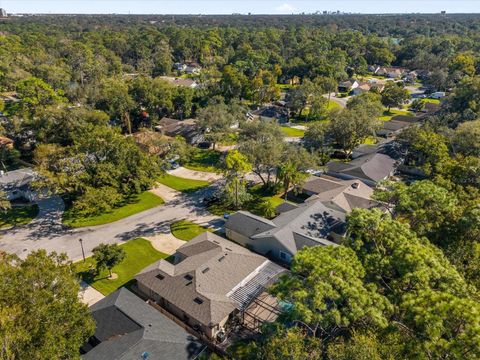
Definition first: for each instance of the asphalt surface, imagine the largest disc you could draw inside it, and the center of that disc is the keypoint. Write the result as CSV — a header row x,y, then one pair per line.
x,y
47,232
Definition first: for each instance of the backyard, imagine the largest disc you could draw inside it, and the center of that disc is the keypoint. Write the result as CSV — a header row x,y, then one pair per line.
x,y
18,215
182,184
139,253
134,205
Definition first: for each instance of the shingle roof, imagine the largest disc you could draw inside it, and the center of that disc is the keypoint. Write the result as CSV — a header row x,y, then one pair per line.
x,y
342,195
206,268
374,167
17,178
128,327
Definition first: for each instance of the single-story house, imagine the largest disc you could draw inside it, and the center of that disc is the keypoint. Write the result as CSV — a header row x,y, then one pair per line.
x,y
16,184
392,127
337,194
309,224
129,328
151,142
347,86
180,82
373,68
187,128
271,113
371,168
392,72
209,281
362,88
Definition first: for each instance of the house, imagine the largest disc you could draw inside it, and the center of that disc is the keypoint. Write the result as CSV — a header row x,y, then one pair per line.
x,y
6,143
347,86
362,88
371,168
129,328
153,143
209,281
271,113
340,195
391,72
392,127
187,129
193,68
189,83
179,66
373,68
16,184
309,224
378,87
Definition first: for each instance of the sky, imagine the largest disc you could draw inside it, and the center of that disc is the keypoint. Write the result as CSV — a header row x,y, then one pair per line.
x,y
235,6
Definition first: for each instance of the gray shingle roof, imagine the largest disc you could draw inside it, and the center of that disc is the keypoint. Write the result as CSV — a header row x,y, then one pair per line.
x,y
127,327
374,167
17,178
208,268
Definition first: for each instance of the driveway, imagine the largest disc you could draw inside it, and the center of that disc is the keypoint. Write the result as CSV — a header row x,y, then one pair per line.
x,y
46,232
196,175
340,101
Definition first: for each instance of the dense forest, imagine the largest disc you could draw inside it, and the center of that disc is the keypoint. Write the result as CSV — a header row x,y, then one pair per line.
x,y
405,283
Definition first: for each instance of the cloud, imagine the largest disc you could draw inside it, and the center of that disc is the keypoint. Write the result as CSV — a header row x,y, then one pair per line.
x,y
285,9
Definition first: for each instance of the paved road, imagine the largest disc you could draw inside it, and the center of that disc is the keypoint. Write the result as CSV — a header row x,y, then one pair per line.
x,y
47,232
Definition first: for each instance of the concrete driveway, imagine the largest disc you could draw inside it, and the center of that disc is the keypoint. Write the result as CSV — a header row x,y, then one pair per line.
x,y
195,175
49,234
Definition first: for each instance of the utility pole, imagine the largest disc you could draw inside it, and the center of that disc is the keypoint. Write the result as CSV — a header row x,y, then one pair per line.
x,y
83,251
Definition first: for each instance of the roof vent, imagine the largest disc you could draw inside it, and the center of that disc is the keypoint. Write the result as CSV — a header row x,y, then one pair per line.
x,y
198,301
356,185
160,277
205,270
188,277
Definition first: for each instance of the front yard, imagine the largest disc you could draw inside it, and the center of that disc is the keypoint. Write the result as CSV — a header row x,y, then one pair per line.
x,y
182,184
388,115
292,132
205,160
134,205
139,253
18,215
186,230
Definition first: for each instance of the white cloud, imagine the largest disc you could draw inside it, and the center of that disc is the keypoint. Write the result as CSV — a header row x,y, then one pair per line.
x,y
285,9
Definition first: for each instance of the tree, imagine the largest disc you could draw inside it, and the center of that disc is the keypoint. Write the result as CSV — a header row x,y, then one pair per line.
x,y
370,103
317,139
349,128
35,94
107,256
466,139
417,105
216,122
5,204
366,346
291,171
466,97
394,95
115,100
321,281
41,315
464,63
236,166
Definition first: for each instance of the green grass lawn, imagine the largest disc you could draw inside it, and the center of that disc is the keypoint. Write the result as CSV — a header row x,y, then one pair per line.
x,y
386,116
433,101
18,215
139,253
139,203
182,184
205,160
186,230
371,140
292,132
259,195
333,105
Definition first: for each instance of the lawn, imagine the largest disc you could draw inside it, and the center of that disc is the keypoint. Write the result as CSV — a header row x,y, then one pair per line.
x,y
259,196
388,115
182,184
18,215
333,105
371,140
186,230
292,132
205,160
139,253
433,101
136,204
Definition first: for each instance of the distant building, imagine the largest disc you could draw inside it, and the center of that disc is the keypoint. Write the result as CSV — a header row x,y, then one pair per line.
x,y
3,13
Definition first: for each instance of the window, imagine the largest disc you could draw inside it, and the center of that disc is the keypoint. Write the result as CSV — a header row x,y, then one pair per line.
x,y
188,277
198,301
160,277
284,256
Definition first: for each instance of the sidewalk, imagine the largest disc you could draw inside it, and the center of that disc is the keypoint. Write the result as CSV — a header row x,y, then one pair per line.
x,y
89,295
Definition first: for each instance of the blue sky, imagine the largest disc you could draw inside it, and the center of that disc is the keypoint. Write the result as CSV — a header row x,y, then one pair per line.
x,y
235,6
